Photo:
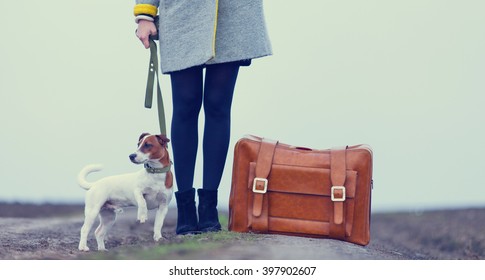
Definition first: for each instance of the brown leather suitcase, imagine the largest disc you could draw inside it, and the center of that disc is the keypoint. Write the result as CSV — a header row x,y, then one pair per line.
x,y
283,189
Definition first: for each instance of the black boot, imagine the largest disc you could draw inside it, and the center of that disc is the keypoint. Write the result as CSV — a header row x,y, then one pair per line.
x,y
208,216
187,216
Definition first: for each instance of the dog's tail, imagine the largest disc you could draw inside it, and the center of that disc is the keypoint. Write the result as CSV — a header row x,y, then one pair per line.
x,y
81,177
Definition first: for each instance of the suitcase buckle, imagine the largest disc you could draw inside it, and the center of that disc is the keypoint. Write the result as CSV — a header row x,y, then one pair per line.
x,y
339,188
255,182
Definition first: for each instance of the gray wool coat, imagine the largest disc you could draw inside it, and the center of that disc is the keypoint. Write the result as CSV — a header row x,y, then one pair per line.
x,y
197,32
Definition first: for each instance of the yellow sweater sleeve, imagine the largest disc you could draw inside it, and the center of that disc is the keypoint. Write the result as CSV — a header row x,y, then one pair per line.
x,y
145,9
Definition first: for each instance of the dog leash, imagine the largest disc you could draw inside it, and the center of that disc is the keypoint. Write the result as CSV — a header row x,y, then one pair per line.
x,y
152,73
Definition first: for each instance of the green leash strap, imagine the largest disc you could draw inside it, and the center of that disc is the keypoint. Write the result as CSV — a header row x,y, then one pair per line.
x,y
152,73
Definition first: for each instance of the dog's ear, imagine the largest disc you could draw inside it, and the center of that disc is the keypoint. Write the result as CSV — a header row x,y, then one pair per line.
x,y
142,136
163,140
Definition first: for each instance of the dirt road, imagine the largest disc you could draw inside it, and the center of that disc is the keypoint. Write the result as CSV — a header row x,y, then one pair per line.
x,y
52,232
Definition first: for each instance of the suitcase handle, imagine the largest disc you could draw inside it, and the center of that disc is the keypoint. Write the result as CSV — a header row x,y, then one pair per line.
x,y
302,148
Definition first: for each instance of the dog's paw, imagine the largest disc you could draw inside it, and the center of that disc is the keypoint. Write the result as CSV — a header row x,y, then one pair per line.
x,y
157,237
142,216
83,248
142,219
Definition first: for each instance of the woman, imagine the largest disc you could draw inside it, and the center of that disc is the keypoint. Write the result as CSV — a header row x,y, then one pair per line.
x,y
218,36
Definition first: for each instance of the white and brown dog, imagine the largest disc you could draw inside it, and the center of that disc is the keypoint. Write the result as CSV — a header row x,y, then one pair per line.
x,y
146,189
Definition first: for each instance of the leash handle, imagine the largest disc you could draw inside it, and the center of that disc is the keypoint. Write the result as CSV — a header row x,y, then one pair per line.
x,y
152,74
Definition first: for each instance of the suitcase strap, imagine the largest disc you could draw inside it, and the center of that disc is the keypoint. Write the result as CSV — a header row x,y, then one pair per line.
x,y
338,168
260,185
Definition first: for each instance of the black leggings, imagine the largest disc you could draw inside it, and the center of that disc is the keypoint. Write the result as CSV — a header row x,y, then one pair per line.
x,y
190,91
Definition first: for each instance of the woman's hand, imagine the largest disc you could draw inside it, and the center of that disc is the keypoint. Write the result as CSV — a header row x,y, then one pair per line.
x,y
144,31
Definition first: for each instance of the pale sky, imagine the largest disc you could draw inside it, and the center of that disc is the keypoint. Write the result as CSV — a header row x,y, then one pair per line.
x,y
405,77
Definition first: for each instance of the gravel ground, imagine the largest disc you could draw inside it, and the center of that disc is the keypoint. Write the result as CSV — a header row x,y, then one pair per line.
x,y
51,231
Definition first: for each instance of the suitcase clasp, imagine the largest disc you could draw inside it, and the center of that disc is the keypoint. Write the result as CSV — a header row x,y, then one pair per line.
x,y
255,185
339,197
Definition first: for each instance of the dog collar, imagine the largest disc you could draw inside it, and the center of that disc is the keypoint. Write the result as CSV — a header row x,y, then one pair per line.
x,y
158,170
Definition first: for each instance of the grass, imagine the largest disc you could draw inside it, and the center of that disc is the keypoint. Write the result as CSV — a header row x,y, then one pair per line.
x,y
177,247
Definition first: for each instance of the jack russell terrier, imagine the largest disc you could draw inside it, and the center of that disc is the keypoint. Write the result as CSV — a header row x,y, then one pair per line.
x,y
146,189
